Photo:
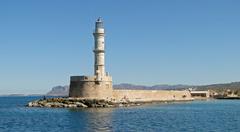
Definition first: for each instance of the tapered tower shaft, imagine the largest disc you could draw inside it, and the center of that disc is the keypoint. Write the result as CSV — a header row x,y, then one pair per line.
x,y
99,50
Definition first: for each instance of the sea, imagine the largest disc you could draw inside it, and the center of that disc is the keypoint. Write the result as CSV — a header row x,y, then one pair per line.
x,y
194,116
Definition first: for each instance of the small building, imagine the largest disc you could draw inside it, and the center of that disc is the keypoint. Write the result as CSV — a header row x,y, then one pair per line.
x,y
200,94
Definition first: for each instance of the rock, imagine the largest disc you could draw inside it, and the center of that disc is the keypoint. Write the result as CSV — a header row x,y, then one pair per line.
x,y
72,106
120,105
65,105
33,104
48,105
55,104
138,104
30,104
93,105
108,105
79,104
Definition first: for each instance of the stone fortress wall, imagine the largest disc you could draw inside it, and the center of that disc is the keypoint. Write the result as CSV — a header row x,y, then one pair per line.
x,y
151,95
88,87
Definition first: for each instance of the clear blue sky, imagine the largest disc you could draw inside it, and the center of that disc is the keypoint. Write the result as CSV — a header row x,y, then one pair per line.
x,y
44,42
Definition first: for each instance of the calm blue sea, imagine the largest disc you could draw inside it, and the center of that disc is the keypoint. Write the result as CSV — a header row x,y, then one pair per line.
x,y
200,116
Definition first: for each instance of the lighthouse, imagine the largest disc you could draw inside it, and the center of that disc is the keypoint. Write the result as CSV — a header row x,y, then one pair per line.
x,y
99,51
98,86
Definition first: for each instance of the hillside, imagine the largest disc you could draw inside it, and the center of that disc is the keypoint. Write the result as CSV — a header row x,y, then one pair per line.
x,y
59,91
222,89
154,87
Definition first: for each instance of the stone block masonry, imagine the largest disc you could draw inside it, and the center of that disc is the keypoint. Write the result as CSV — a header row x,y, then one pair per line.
x,y
88,87
151,95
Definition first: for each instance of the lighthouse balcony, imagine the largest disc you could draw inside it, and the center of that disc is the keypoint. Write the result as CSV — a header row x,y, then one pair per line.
x,y
99,51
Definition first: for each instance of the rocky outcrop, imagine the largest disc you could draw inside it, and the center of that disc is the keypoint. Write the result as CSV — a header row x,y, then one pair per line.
x,y
80,103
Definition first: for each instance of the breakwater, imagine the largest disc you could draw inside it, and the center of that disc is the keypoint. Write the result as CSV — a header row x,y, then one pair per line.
x,y
121,98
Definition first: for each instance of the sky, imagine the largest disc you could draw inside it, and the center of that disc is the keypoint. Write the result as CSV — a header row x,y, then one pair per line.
x,y
148,42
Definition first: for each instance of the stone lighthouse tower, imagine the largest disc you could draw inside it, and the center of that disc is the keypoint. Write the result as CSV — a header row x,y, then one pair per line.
x,y
99,51
98,86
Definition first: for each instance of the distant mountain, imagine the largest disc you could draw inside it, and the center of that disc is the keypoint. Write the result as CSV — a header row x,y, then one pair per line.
x,y
59,91
155,87
13,95
234,87
20,95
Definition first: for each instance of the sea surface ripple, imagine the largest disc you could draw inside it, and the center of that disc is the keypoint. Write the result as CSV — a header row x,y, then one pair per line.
x,y
202,116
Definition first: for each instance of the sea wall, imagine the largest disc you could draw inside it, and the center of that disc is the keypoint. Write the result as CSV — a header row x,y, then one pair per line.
x,y
151,95
88,88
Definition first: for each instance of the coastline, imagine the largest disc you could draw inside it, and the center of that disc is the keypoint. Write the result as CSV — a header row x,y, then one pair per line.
x,y
228,98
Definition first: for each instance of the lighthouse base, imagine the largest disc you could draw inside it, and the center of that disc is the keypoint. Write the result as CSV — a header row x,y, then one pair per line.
x,y
87,87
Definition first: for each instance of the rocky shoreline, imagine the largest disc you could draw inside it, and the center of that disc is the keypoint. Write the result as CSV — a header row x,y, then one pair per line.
x,y
80,103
